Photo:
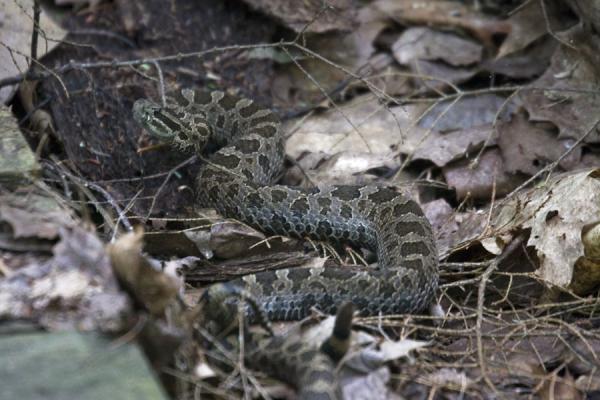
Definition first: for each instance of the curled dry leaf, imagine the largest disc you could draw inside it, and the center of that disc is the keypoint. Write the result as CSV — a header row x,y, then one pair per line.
x,y
526,26
528,63
557,214
149,285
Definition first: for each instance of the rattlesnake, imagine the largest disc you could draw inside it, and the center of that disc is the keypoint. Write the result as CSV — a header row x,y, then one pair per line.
x,y
237,181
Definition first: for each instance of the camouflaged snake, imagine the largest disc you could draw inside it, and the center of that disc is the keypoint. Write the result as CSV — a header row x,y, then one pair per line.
x,y
237,180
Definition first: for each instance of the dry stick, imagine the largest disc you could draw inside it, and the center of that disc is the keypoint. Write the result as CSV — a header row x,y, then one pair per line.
x,y
83,185
36,30
504,104
314,19
46,71
425,83
103,33
575,332
128,63
161,83
480,298
427,133
242,345
122,214
489,217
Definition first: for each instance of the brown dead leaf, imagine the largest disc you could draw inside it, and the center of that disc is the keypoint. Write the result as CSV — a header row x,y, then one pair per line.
x,y
34,216
528,147
75,288
567,93
352,51
347,168
560,387
526,26
439,214
364,375
590,237
231,239
379,129
421,43
466,112
556,213
442,148
383,132
387,76
457,15
370,386
527,63
439,59
312,16
438,76
588,383
453,228
478,182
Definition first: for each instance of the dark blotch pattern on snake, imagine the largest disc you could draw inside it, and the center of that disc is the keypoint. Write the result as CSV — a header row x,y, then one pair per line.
x,y
237,181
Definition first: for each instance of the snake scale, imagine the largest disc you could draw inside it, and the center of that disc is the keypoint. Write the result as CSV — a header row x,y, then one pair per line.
x,y
237,180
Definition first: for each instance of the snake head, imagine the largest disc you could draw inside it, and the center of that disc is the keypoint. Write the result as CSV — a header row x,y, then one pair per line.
x,y
155,119
171,124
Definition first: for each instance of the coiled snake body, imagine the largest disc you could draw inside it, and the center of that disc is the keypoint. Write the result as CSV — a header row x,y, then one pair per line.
x,y
237,181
